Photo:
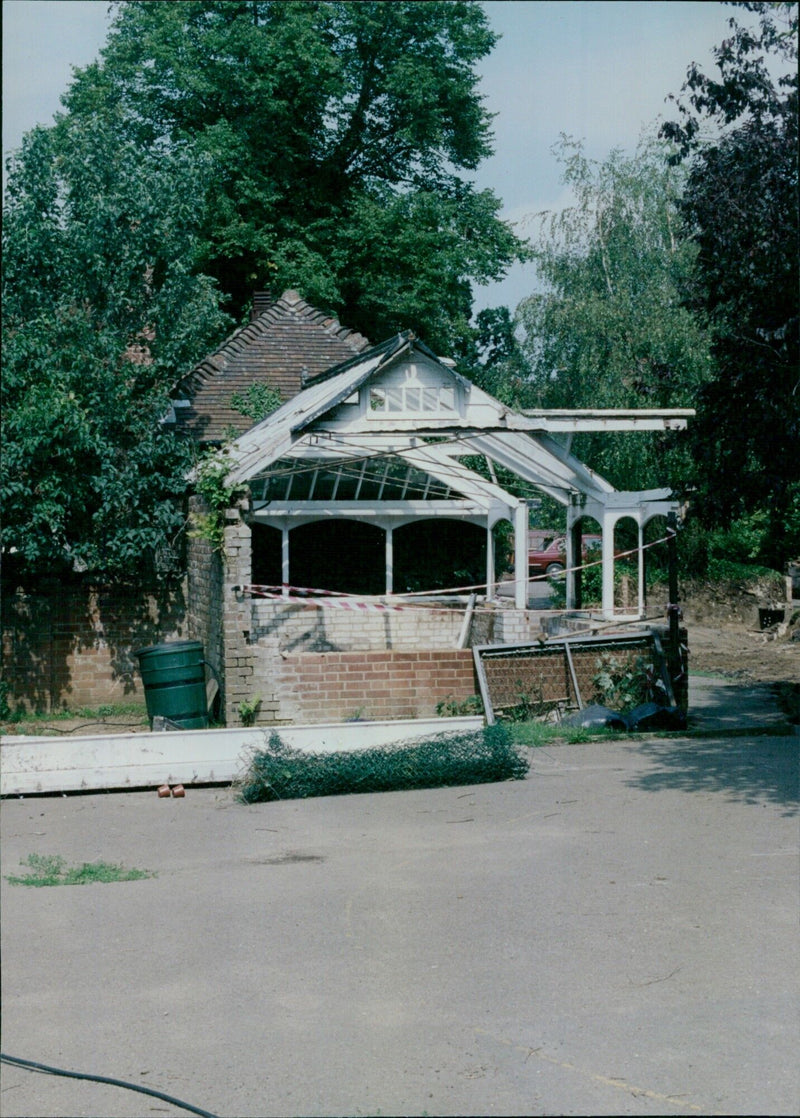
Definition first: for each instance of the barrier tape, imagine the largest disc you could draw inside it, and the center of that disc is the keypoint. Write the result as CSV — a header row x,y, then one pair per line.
x,y
282,590
331,599
368,603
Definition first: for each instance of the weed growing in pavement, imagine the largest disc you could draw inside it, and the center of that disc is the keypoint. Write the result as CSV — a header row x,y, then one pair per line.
x,y
248,709
535,734
453,708
52,869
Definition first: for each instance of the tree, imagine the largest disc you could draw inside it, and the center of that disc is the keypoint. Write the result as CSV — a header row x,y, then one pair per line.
x,y
741,211
499,365
608,329
337,133
101,307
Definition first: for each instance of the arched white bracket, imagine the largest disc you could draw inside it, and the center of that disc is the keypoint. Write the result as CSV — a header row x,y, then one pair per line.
x,y
621,504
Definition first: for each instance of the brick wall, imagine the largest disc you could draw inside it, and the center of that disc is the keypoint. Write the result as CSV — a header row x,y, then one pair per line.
x,y
310,662
304,662
205,597
315,627
239,654
337,686
68,647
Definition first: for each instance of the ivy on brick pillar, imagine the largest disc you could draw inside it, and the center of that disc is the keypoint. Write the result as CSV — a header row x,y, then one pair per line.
x,y
238,679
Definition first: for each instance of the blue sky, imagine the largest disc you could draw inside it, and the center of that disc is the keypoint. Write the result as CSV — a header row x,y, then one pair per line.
x,y
599,70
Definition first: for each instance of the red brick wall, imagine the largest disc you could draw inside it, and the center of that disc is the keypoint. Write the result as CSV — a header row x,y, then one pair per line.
x,y
72,647
336,686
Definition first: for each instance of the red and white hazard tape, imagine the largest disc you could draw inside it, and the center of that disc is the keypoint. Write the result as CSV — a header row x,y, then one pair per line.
x,y
331,599
283,590
338,599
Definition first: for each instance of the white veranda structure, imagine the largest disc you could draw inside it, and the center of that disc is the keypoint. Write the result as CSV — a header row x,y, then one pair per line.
x,y
392,436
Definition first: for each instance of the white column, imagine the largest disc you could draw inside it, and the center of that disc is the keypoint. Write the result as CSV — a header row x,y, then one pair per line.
x,y
489,560
285,558
521,556
641,570
389,560
570,559
608,566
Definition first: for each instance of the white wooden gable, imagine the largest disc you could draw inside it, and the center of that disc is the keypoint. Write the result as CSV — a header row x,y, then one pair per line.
x,y
384,437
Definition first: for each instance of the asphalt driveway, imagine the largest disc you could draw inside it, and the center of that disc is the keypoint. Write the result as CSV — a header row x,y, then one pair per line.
x,y
617,934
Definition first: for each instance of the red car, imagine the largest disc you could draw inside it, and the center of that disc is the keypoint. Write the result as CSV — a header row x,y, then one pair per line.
x,y
551,558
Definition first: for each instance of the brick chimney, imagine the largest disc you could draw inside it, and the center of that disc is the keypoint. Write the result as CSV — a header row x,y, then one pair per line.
x,y
261,300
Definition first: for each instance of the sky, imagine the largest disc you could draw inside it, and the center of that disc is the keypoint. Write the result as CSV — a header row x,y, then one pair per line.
x,y
596,70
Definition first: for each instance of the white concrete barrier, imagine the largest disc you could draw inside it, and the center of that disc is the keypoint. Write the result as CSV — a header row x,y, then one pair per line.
x,y
35,765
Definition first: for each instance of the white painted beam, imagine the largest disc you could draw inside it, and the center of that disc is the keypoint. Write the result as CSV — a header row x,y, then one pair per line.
x,y
558,421
265,511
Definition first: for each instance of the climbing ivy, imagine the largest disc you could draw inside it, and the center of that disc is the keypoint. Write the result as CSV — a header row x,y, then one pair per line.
x,y
259,401
212,484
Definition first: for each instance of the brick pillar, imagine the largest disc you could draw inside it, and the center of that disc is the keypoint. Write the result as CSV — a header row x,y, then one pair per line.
x,y
205,594
238,654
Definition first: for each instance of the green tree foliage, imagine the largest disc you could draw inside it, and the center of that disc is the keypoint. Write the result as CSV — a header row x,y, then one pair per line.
x,y
608,329
315,145
500,367
100,308
337,134
741,210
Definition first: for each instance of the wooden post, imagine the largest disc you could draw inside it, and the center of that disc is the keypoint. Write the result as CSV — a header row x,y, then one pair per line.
x,y
673,609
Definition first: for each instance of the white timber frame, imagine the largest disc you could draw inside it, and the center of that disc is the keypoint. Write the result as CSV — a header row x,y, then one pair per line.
x,y
399,403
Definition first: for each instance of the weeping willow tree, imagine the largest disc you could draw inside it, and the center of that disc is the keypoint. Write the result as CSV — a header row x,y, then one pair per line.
x,y
608,328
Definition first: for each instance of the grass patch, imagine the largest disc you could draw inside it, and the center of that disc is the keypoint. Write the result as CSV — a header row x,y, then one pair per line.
x,y
535,734
52,869
39,721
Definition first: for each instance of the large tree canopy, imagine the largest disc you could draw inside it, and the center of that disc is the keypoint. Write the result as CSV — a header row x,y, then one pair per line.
x,y
608,329
100,307
217,148
741,211
338,133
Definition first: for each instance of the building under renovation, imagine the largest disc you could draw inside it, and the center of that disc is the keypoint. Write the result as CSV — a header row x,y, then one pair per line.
x,y
362,561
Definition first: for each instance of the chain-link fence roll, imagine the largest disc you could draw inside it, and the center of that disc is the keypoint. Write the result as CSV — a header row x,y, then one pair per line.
x,y
279,772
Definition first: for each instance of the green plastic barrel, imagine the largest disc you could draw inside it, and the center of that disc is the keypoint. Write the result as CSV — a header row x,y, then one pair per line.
x,y
174,677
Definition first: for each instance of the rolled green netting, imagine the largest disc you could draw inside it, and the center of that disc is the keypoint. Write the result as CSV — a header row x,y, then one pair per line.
x,y
279,772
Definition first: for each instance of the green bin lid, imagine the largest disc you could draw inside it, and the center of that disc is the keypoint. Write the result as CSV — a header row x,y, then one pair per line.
x,y
169,646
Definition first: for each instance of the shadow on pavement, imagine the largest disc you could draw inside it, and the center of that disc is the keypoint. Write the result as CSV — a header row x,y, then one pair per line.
x,y
749,770
721,705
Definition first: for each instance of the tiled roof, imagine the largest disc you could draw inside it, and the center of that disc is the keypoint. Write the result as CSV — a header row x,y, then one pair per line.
x,y
287,343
